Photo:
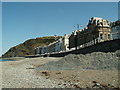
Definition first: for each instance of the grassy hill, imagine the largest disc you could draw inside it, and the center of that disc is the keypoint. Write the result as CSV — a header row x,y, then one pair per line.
x,y
27,48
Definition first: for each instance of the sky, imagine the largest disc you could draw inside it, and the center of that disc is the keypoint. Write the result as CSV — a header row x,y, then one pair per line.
x,y
119,10
0,28
28,20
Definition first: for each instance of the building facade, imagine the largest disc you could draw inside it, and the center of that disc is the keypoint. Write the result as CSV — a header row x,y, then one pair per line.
x,y
66,41
61,45
38,50
115,29
98,30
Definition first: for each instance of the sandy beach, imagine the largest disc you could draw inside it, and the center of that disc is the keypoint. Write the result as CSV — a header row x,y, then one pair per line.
x,y
22,74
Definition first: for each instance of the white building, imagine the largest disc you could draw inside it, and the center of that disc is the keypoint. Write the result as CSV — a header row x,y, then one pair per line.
x,y
58,45
66,41
44,50
38,50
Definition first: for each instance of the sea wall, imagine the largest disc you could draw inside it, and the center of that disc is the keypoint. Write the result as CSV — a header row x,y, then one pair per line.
x,y
108,46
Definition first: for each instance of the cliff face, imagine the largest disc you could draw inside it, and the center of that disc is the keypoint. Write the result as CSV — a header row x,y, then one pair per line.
x,y
27,48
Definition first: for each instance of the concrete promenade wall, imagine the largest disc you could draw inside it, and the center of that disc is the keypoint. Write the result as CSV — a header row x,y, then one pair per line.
x,y
108,46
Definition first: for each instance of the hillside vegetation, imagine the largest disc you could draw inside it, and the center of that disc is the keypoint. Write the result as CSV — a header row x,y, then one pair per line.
x,y
27,48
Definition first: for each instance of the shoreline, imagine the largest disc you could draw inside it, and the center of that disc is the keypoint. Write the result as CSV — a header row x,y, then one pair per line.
x,y
14,58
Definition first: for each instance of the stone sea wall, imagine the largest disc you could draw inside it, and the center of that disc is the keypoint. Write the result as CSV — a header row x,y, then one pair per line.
x,y
108,46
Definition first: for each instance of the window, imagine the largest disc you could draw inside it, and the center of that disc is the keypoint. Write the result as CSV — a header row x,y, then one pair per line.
x,y
119,28
105,36
101,36
109,37
105,23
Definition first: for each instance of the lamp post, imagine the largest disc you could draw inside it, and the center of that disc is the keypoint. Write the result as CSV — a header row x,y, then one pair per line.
x,y
78,26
